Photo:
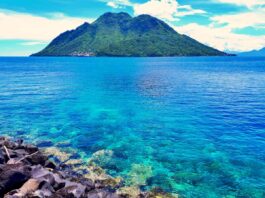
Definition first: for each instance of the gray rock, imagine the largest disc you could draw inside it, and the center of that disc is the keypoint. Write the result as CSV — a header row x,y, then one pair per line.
x,y
19,142
21,152
101,193
29,174
49,178
75,191
37,158
12,176
10,145
38,171
2,157
46,189
31,149
29,187
49,164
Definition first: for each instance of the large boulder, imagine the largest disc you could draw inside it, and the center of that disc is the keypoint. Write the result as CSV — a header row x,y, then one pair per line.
x,y
37,158
75,191
28,188
13,176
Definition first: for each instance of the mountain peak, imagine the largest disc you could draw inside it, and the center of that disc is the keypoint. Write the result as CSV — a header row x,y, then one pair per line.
x,y
116,14
147,22
119,34
111,17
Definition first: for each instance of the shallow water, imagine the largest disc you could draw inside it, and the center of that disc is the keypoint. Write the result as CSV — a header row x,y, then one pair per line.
x,y
192,126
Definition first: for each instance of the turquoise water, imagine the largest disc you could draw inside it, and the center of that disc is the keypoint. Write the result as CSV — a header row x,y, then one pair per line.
x,y
192,126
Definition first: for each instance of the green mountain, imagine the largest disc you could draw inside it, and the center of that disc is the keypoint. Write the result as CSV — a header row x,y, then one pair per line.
x,y
119,34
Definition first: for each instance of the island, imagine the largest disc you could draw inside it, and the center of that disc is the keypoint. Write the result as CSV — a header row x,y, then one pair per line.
x,y
119,34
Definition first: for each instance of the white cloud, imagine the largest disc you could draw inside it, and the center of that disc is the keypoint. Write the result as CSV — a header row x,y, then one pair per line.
x,y
16,25
241,20
222,38
188,10
117,3
166,9
112,4
220,32
247,3
163,9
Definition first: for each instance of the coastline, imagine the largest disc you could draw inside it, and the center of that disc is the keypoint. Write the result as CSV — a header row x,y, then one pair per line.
x,y
27,171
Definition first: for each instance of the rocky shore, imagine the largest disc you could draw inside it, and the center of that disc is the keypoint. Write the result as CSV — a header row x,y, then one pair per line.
x,y
27,171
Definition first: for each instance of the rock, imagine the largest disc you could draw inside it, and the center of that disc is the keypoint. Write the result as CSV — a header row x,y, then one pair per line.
x,y
74,162
157,193
59,182
46,189
2,138
49,178
2,157
12,176
108,182
90,185
21,152
38,172
55,152
130,191
12,194
58,186
31,148
102,157
37,158
75,191
29,187
37,194
29,174
12,153
101,193
19,142
12,161
49,164
10,145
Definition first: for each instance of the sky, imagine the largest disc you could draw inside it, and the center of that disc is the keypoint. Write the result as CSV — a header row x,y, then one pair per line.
x,y
27,26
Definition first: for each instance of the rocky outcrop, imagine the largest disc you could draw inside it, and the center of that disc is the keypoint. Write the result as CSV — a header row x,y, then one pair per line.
x,y
27,172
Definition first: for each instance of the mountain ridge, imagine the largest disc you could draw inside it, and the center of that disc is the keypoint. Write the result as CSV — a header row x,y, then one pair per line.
x,y
260,52
119,34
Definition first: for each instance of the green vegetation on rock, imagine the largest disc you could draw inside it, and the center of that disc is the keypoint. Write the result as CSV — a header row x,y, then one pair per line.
x,y
119,34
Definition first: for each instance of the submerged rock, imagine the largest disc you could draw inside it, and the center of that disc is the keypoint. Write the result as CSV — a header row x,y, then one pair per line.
x,y
139,174
101,157
57,153
130,192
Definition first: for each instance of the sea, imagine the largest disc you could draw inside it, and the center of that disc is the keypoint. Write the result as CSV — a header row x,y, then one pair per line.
x,y
194,126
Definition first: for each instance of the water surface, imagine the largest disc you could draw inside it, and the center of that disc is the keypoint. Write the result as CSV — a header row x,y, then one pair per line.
x,y
192,126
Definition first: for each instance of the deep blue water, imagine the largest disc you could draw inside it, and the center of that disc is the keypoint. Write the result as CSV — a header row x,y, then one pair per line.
x,y
193,126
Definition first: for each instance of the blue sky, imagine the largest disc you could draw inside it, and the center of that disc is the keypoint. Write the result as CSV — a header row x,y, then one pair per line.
x,y
232,25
